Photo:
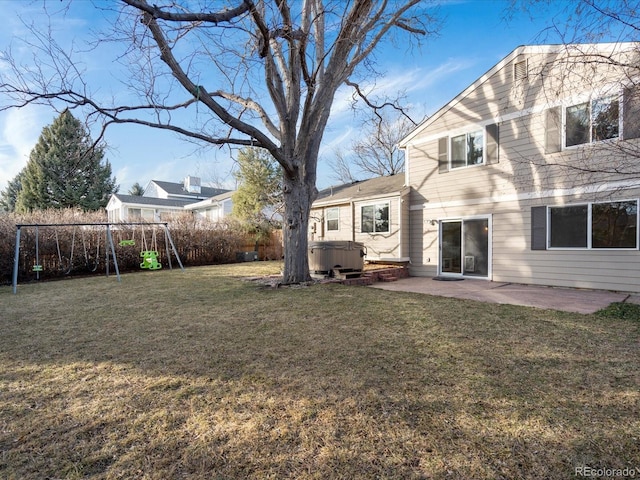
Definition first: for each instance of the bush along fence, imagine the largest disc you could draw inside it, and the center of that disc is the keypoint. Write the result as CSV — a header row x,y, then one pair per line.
x,y
75,250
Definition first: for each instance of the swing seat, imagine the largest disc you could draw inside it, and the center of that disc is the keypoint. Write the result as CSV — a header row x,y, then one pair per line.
x,y
127,243
150,260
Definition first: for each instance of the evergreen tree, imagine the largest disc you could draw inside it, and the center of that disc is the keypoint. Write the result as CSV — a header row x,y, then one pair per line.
x,y
65,170
136,190
10,194
259,187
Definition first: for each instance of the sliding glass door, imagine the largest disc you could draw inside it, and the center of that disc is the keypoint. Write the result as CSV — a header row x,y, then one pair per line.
x,y
464,247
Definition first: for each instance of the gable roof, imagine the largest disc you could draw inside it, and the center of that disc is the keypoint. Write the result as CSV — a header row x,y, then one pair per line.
x,y
226,195
575,49
372,188
173,188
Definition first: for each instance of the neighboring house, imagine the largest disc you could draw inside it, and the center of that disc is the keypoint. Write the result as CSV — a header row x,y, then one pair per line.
x,y
374,212
215,208
524,177
163,199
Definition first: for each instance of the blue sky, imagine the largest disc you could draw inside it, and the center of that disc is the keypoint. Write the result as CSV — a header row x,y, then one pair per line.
x,y
475,35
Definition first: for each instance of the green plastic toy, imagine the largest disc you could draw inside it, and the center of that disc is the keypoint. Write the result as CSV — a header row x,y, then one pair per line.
x,y
150,260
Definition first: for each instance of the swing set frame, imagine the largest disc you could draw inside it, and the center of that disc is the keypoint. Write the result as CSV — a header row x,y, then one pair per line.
x,y
109,247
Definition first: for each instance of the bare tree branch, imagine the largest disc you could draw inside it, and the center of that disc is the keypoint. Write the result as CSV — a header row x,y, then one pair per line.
x,y
377,107
259,74
226,15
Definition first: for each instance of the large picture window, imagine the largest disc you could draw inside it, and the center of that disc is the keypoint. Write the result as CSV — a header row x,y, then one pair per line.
x,y
333,219
467,149
375,218
142,214
592,121
594,225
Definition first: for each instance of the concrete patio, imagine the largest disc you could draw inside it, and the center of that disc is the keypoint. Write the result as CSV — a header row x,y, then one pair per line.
x,y
555,298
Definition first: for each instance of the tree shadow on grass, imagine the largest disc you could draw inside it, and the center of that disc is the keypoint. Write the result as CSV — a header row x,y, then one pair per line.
x,y
228,380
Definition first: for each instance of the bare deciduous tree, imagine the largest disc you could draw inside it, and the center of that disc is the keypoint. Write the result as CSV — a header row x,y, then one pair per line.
x,y
260,73
375,151
341,169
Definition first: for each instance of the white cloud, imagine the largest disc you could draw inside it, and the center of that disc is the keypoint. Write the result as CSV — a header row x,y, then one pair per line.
x,y
415,83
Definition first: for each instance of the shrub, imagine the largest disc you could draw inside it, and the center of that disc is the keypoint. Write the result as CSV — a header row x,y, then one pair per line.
x,y
75,250
621,311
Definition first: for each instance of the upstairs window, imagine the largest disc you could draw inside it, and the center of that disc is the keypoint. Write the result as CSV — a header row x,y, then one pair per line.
x,y
467,149
375,218
592,121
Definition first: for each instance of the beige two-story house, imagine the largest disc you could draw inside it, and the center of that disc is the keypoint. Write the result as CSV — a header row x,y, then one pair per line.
x,y
530,175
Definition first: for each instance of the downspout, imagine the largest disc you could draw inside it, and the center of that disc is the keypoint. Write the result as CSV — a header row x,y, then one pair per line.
x,y
353,221
400,230
407,185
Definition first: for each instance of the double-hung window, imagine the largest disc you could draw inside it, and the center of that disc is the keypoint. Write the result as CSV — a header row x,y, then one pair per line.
x,y
333,219
467,149
594,225
375,218
592,121
477,147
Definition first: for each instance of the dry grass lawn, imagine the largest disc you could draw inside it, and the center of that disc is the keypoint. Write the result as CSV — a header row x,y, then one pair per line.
x,y
203,375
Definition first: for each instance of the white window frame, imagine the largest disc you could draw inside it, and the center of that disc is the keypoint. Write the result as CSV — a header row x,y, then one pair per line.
x,y
376,204
589,100
328,218
589,242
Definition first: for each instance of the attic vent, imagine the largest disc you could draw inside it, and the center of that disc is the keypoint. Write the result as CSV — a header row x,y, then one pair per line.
x,y
520,70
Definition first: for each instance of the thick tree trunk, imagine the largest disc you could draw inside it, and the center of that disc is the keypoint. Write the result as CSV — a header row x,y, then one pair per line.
x,y
298,197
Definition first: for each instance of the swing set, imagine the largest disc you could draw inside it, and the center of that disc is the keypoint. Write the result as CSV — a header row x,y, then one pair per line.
x,y
88,238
